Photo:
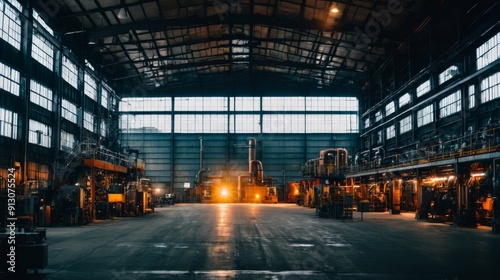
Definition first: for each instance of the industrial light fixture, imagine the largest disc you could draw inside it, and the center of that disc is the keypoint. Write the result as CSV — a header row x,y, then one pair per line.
x,y
157,84
123,14
334,10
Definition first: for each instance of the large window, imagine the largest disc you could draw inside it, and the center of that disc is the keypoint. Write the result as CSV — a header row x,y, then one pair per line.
x,y
40,23
200,104
67,140
341,104
68,111
102,129
331,123
89,121
90,88
245,104
10,23
244,123
242,114
390,132
472,96
41,95
378,116
283,103
425,115
488,52
9,79
490,88
8,123
40,134
390,108
447,74
283,123
424,88
404,99
137,104
367,122
380,136
451,104
405,125
42,51
70,72
145,123
104,97
200,123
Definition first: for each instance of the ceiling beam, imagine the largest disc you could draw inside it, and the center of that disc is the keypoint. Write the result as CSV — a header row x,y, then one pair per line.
x,y
195,21
255,62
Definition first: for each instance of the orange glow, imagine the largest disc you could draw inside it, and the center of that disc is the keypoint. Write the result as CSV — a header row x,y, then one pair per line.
x,y
334,10
223,192
257,196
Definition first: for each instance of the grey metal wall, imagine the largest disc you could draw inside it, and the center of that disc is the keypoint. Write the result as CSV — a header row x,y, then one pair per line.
x,y
176,157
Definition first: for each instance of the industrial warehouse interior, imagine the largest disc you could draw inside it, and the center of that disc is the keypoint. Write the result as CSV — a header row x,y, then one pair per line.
x,y
250,139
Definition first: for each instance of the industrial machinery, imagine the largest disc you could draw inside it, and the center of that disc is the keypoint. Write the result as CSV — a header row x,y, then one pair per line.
x,y
334,201
139,198
209,188
22,243
116,199
93,180
72,205
330,163
254,187
325,187
263,193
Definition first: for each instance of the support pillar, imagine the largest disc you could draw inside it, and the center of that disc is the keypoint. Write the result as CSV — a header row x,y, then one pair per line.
x,y
396,196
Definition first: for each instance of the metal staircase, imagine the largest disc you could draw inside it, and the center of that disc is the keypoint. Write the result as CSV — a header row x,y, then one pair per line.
x,y
67,162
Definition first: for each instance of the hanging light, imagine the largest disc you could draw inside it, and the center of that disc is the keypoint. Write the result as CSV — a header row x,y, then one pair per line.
x,y
123,14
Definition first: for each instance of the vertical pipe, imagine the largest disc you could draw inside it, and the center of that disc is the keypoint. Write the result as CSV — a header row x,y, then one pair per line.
x,y
251,154
201,153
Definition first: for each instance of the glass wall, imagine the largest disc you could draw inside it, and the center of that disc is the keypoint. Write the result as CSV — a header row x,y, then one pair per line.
x,y
242,114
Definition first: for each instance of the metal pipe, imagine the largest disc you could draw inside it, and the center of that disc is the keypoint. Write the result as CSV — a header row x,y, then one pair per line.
x,y
200,172
260,170
251,153
201,153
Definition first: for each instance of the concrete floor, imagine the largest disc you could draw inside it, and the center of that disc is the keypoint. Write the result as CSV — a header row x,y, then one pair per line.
x,y
256,241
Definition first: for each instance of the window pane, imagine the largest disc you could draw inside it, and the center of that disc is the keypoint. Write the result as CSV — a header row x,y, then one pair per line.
x,y
162,104
145,123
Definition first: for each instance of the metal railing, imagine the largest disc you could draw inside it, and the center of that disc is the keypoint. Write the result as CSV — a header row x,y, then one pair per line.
x,y
482,142
92,149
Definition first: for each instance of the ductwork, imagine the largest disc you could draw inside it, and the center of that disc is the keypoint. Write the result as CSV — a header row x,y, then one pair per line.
x,y
200,172
251,152
260,170
252,162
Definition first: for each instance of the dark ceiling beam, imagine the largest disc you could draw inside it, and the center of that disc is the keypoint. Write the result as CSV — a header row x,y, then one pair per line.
x,y
195,21
182,57
102,11
255,62
355,3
